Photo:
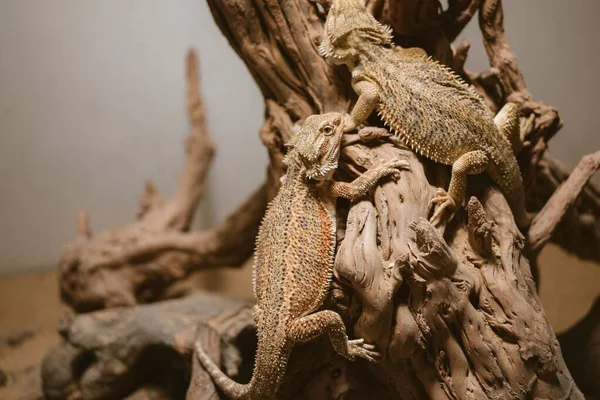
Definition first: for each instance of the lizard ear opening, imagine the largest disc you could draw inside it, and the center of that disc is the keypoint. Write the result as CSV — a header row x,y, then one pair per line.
x,y
290,144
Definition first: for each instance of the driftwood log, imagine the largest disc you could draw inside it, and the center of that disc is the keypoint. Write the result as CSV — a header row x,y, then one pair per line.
x,y
454,311
142,351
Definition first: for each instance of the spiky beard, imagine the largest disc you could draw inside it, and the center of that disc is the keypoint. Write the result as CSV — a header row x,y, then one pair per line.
x,y
322,172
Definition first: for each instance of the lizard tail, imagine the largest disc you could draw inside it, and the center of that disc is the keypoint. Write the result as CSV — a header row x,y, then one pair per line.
x,y
507,122
229,387
516,200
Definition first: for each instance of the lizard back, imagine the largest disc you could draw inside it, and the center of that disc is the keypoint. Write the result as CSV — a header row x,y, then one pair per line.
x,y
429,106
292,281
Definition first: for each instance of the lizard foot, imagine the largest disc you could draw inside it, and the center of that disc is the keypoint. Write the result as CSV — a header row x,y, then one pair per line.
x,y
358,348
445,203
393,168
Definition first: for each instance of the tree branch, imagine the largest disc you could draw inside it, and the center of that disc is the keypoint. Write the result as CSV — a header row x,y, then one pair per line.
x,y
133,264
458,15
137,262
178,212
547,220
577,229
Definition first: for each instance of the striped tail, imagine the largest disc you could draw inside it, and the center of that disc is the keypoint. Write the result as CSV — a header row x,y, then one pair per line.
x,y
232,389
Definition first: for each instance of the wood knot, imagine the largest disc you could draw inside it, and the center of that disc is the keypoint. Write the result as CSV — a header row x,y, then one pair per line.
x,y
431,257
480,228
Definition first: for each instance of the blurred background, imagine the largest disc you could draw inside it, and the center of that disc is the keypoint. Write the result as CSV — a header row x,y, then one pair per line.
x,y
92,103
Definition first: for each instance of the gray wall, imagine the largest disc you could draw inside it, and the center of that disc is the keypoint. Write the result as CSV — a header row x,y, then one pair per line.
x,y
92,104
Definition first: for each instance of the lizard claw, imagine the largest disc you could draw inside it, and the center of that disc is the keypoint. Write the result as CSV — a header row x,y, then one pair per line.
x,y
399,164
445,203
358,348
393,167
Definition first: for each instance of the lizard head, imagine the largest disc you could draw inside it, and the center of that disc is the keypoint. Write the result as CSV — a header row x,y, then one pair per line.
x,y
349,25
316,146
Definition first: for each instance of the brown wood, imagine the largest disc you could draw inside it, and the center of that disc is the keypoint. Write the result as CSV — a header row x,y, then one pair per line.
x,y
454,311
123,352
566,194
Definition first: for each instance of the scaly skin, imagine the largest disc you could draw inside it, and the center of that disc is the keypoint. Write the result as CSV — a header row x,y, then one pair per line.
x,y
294,259
427,105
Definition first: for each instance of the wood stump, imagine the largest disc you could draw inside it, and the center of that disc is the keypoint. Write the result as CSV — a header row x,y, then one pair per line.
x,y
454,311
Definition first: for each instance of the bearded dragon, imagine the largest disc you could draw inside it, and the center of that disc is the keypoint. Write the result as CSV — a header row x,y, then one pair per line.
x,y
294,257
427,105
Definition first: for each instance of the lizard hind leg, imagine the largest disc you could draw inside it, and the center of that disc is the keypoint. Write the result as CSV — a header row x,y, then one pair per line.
x,y
473,162
329,322
507,122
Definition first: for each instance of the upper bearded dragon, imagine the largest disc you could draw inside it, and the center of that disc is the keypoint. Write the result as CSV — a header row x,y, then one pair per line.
x,y
427,105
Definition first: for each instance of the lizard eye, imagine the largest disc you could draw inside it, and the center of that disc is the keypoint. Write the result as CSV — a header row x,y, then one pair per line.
x,y
328,130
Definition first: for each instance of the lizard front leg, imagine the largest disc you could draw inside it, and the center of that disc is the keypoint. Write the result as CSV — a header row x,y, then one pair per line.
x,y
362,184
329,322
368,99
473,162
